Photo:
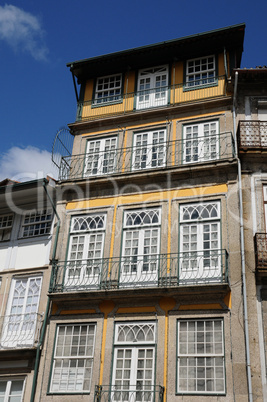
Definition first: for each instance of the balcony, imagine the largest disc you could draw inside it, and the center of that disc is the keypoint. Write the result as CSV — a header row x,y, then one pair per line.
x,y
149,99
162,155
108,393
158,271
252,134
20,331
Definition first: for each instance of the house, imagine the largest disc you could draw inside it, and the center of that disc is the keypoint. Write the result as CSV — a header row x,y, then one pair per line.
x,y
250,118
26,224
146,288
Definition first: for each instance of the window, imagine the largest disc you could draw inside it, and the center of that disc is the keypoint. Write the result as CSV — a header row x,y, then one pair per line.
x,y
152,87
85,250
100,157
21,322
6,222
73,358
37,223
11,390
141,237
200,71
149,149
200,257
201,142
134,362
200,360
108,89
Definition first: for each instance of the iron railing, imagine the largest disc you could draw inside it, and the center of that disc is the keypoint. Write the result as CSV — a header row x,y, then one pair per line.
x,y
20,330
252,134
113,393
148,157
261,251
149,99
162,270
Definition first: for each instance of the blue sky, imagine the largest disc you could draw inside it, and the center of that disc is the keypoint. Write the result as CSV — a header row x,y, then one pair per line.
x,y
38,38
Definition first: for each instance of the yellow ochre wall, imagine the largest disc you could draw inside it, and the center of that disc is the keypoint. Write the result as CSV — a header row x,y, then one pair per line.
x,y
178,95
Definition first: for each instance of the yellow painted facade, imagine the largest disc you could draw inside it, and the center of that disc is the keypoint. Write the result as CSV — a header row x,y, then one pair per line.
x,y
178,94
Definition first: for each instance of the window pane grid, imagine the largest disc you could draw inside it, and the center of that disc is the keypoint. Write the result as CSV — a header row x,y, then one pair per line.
x,y
11,390
6,222
73,358
201,356
101,156
37,223
149,150
200,71
108,88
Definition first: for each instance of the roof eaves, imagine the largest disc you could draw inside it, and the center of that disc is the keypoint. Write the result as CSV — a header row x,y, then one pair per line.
x,y
155,45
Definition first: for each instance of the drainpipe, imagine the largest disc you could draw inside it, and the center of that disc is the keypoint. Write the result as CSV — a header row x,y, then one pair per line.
x,y
40,343
243,266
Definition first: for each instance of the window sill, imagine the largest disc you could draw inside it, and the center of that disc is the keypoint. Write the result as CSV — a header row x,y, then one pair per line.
x,y
108,103
195,87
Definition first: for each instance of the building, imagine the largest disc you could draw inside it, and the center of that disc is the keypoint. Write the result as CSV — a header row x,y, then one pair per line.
x,y
26,219
146,292
250,115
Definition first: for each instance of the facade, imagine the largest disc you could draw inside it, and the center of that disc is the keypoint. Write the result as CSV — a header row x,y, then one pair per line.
x,y
147,288
251,122
26,218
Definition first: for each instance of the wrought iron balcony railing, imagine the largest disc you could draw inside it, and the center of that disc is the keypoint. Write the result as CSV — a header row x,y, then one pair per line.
x,y
20,331
161,271
261,252
113,393
148,157
148,99
252,134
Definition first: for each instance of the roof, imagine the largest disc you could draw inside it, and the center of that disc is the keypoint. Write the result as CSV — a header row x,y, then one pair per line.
x,y
229,38
257,74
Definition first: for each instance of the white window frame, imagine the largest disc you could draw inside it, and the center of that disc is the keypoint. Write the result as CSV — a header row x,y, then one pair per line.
x,y
108,89
8,391
134,342
201,142
152,87
101,156
36,223
200,242
200,353
73,375
21,322
149,149
200,71
6,224
141,247
84,254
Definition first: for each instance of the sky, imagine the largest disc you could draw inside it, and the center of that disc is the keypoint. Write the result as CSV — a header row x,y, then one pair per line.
x,y
38,38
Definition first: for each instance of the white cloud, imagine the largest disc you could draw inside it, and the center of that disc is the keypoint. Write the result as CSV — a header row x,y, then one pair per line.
x,y
22,31
28,163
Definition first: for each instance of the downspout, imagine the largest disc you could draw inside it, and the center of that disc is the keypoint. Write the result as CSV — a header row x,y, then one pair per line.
x,y
243,266
40,343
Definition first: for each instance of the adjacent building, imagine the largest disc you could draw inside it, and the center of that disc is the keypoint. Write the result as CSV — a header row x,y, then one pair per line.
x,y
26,225
250,118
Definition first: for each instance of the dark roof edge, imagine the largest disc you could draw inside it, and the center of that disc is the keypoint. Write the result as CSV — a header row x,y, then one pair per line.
x,y
26,184
136,49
